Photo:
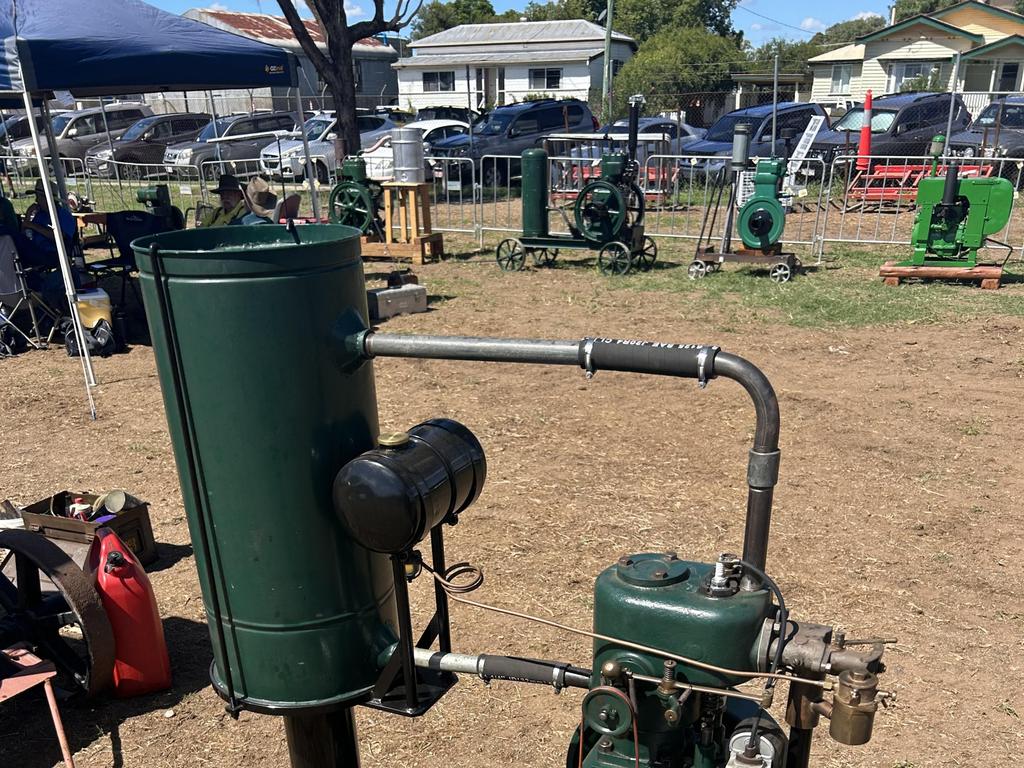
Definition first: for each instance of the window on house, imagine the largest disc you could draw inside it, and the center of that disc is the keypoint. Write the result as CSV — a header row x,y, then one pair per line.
x,y
438,81
616,66
545,79
841,79
1008,76
910,70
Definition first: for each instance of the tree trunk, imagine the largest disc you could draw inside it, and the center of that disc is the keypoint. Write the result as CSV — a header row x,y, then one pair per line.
x,y
341,83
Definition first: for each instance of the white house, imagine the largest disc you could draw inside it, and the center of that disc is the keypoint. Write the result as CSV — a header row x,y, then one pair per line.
x,y
482,65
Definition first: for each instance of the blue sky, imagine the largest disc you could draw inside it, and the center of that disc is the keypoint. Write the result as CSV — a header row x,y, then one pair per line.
x,y
794,20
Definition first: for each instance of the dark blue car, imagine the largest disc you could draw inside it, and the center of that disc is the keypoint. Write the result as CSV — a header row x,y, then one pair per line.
x,y
902,125
997,132
718,140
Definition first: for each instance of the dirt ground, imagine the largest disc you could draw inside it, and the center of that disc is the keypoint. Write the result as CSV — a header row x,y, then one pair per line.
x,y
898,514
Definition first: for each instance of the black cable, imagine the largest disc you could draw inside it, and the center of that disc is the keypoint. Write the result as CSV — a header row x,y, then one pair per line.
x,y
766,580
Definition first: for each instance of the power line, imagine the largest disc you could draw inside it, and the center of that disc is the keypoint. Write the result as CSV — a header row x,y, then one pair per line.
x,y
775,21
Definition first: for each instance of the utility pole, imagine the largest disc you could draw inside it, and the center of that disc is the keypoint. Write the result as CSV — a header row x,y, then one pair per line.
x,y
606,84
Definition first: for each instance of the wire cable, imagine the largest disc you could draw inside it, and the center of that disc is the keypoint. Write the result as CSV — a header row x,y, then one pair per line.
x,y
477,578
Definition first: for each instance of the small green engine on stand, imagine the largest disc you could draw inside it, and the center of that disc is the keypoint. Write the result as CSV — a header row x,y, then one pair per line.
x,y
760,221
762,218
356,200
955,217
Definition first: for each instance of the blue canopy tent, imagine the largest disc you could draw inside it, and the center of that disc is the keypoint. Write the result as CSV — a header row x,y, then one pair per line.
x,y
112,47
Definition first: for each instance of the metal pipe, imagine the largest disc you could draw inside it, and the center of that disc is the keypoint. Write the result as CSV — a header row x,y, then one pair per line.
x,y
592,354
490,667
952,104
322,741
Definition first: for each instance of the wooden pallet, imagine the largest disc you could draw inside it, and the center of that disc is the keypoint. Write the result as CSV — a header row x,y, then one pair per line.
x,y
989,275
420,250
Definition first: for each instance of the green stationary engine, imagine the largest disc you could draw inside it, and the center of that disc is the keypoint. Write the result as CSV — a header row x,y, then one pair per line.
x,y
956,216
607,213
356,200
762,218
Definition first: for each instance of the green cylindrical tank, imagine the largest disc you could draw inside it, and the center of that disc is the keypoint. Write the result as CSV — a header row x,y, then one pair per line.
x,y
535,193
265,405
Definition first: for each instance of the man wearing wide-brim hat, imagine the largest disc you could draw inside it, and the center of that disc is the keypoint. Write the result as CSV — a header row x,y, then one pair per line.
x,y
232,203
262,202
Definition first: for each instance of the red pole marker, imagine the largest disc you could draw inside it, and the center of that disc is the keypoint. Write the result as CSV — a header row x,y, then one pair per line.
x,y
864,145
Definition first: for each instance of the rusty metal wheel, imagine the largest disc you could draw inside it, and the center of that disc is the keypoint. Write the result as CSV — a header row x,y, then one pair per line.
x,y
68,626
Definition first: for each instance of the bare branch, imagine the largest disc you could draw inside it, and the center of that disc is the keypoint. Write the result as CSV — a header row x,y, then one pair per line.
x,y
310,48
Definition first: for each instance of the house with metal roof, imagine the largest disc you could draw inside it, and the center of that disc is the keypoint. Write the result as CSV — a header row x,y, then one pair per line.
x,y
921,51
483,65
375,80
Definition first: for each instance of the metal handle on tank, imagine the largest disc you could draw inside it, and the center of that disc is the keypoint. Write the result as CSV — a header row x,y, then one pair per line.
x,y
694,361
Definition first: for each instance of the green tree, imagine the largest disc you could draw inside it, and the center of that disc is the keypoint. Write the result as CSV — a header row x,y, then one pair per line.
x,y
560,10
335,64
437,16
847,31
642,19
675,66
907,8
793,55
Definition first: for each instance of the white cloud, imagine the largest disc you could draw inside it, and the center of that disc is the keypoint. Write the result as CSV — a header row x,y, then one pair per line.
x,y
757,26
216,7
353,11
865,15
811,24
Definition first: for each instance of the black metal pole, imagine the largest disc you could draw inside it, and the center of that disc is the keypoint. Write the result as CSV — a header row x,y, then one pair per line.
x,y
322,741
444,632
405,641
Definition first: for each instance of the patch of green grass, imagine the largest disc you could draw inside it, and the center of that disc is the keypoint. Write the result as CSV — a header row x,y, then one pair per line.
x,y
973,428
845,291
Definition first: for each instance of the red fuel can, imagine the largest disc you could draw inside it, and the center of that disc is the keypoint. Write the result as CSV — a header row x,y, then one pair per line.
x,y
141,663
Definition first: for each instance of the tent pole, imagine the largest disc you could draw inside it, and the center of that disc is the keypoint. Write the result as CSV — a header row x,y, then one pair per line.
x,y
110,145
310,175
51,140
62,255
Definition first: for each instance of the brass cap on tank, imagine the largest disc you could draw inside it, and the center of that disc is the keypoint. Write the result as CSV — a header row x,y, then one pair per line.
x,y
392,439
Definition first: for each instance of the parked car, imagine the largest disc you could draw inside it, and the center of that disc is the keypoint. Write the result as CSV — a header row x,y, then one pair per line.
x,y
380,160
78,131
717,142
902,125
509,130
145,143
674,138
287,160
997,132
243,136
16,127
461,114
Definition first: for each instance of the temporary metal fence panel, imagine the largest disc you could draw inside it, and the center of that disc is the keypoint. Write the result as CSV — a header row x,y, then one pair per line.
x,y
453,195
20,174
499,205
875,205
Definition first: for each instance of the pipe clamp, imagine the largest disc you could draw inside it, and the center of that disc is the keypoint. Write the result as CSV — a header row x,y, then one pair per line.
x,y
763,469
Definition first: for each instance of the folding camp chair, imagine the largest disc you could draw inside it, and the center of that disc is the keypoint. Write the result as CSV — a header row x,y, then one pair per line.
x,y
16,296
21,670
122,228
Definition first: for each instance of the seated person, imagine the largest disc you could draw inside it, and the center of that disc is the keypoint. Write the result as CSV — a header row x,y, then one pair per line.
x,y
10,224
262,203
37,247
232,203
